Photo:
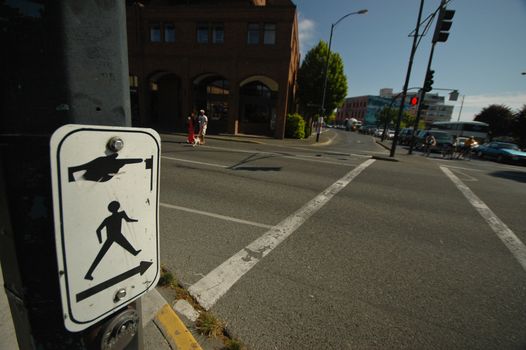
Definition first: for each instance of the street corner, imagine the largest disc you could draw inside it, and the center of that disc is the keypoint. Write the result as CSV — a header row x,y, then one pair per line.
x,y
174,330
326,138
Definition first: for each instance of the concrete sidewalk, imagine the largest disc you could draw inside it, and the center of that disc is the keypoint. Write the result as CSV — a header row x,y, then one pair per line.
x,y
326,138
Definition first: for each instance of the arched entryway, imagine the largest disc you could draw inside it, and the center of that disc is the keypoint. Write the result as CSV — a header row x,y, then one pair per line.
x,y
211,92
165,102
257,106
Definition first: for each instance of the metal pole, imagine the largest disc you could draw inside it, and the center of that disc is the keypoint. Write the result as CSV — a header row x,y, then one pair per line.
x,y
408,75
51,82
421,101
461,105
320,119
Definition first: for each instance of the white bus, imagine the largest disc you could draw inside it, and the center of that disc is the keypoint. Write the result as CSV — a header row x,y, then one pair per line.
x,y
463,129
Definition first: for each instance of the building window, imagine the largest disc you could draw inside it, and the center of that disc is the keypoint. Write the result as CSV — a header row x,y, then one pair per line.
x,y
202,33
269,37
253,33
155,33
169,33
218,34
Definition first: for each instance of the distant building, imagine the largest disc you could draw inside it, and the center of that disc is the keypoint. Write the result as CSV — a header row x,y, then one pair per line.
x,y
365,108
436,111
362,108
236,59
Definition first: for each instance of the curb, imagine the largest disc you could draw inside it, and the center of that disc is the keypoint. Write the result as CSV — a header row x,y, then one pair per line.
x,y
172,328
253,139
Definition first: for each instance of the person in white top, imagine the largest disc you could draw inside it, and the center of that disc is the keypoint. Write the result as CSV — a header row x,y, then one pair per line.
x,y
203,123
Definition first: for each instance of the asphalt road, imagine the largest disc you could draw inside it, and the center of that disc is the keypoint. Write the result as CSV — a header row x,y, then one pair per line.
x,y
392,255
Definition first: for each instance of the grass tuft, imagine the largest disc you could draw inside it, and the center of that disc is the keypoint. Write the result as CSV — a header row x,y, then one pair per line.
x,y
232,344
167,279
208,325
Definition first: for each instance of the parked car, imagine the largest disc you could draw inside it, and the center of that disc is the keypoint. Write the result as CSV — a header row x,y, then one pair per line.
x,y
502,152
390,134
379,132
404,137
443,140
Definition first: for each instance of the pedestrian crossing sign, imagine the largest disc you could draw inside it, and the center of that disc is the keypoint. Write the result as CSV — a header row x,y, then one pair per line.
x,y
105,183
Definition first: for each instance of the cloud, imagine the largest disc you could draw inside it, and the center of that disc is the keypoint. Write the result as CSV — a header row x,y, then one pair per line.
x,y
514,100
475,103
307,30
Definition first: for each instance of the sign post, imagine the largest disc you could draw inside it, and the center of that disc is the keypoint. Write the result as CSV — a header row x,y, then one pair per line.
x,y
66,62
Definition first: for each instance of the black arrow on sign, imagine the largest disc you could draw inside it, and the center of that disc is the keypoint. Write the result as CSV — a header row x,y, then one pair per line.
x,y
143,266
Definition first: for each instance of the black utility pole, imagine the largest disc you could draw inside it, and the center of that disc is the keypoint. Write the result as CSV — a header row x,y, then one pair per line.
x,y
406,84
440,35
421,100
62,62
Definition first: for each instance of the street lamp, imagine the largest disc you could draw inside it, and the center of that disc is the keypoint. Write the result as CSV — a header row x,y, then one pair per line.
x,y
320,119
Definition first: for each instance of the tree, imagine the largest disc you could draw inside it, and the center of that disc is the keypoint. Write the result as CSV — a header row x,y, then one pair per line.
x,y
409,119
311,80
519,126
499,118
386,116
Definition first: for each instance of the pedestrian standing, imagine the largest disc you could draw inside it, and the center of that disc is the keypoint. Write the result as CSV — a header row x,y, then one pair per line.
x,y
203,124
430,142
191,129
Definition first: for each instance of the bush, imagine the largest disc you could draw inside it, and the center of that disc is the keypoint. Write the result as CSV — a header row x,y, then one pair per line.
x,y
295,126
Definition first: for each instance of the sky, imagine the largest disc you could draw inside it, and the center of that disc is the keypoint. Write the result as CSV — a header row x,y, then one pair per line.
x,y
483,57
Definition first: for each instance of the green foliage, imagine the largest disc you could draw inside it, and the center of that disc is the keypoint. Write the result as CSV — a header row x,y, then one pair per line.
x,y
519,127
295,126
386,115
166,279
499,118
409,119
331,120
311,79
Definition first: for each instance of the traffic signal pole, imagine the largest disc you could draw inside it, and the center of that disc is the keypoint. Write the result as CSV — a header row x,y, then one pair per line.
x,y
421,99
441,34
63,62
406,84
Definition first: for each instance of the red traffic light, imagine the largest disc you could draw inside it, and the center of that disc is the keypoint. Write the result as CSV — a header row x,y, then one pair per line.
x,y
414,101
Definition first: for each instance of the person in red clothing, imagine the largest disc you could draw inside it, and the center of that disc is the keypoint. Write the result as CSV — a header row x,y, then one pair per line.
x,y
191,128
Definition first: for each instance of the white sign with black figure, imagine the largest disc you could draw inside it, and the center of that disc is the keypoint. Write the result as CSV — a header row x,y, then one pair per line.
x,y
106,212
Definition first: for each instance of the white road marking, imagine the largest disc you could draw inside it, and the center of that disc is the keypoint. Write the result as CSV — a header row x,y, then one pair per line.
x,y
195,162
215,284
464,175
459,167
217,216
506,235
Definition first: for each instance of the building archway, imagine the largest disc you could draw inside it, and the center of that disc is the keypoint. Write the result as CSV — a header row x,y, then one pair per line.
x,y
211,92
257,105
165,102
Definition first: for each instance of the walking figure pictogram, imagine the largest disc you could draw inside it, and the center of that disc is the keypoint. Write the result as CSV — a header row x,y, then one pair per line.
x,y
113,224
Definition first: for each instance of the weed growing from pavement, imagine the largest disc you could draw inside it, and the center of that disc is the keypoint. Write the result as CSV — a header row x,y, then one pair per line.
x,y
233,344
206,323
209,325
167,279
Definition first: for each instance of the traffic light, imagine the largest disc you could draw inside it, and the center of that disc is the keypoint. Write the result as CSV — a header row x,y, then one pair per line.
x,y
414,101
428,83
444,23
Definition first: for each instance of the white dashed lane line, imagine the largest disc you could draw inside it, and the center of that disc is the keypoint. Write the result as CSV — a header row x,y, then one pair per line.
x,y
217,216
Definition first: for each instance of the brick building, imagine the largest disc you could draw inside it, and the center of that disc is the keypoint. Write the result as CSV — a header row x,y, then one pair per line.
x,y
236,59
